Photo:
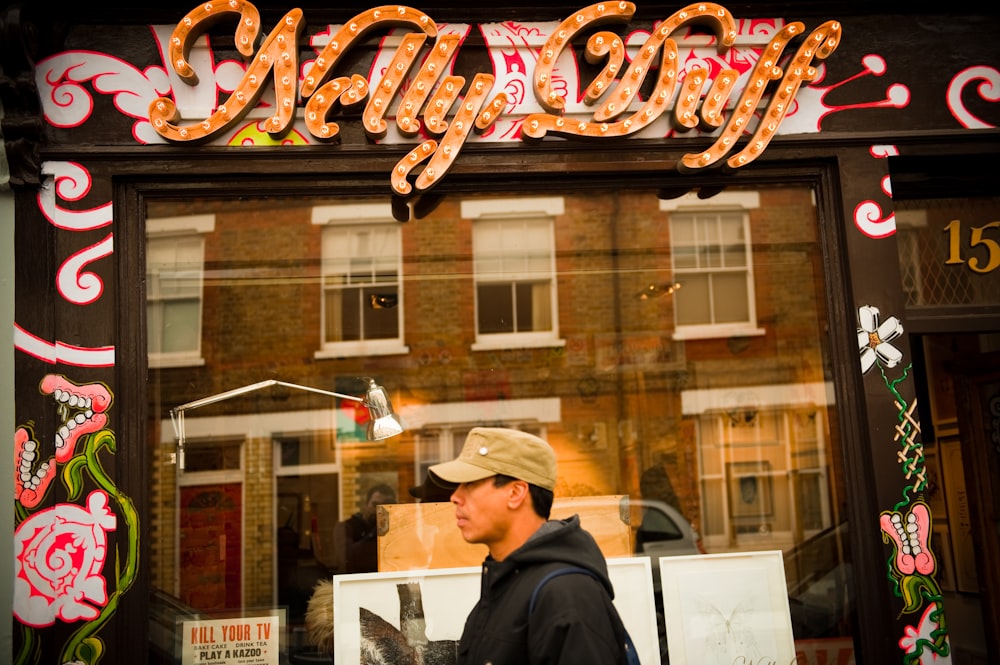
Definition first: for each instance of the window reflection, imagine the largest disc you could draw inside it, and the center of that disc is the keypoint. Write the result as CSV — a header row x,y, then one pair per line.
x,y
673,351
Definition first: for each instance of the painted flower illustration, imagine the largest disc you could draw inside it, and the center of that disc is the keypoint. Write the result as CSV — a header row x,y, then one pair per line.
x,y
920,639
874,338
59,553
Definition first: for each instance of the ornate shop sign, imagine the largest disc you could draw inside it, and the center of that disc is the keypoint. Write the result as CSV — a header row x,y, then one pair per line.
x,y
429,104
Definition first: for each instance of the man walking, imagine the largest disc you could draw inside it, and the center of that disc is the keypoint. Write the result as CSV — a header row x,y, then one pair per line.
x,y
504,481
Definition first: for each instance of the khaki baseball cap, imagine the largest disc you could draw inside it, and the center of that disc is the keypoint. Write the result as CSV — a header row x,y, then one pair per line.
x,y
489,451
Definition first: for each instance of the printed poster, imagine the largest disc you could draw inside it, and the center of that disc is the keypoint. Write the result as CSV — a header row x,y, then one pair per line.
x,y
238,641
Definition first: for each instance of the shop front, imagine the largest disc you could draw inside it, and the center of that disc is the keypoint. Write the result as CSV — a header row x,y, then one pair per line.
x,y
740,266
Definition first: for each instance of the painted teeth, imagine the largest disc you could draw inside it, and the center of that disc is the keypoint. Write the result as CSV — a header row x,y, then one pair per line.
x,y
28,480
63,434
76,401
909,543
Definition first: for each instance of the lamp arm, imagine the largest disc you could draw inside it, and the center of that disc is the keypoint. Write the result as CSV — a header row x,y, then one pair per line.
x,y
320,391
176,413
235,392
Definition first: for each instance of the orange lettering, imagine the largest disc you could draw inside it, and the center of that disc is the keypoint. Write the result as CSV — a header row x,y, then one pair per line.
x,y
277,57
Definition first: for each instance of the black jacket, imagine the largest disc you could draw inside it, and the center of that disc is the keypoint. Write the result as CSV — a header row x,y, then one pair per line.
x,y
574,621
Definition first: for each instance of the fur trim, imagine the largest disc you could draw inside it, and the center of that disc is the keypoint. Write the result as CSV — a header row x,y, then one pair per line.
x,y
319,616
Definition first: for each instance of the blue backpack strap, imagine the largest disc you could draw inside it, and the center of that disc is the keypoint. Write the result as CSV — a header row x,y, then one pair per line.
x,y
631,655
556,573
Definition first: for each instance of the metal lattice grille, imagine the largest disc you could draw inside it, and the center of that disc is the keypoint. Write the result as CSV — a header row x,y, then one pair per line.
x,y
932,235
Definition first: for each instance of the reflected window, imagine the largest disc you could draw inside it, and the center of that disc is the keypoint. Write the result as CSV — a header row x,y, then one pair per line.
x,y
764,470
713,272
361,268
514,268
175,263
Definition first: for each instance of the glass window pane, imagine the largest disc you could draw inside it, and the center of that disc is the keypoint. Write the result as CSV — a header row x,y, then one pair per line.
x,y
487,237
729,297
538,324
181,325
537,265
495,304
486,265
343,321
685,257
536,236
734,256
682,230
212,456
380,318
731,228
691,302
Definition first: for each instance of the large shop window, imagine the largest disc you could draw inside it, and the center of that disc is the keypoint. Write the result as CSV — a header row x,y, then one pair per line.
x,y
709,407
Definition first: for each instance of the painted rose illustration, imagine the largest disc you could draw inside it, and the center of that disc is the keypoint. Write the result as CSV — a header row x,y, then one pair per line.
x,y
59,553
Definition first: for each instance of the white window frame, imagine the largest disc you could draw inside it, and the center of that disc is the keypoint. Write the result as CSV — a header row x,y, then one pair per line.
x,y
348,218
720,203
161,229
541,209
714,409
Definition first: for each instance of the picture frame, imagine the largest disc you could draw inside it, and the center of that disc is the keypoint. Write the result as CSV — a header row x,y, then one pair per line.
x,y
367,607
750,491
721,609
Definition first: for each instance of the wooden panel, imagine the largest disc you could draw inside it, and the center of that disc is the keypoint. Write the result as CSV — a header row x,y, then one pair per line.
x,y
424,535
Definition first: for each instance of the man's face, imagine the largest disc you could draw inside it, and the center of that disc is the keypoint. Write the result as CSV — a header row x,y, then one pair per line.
x,y
481,511
377,500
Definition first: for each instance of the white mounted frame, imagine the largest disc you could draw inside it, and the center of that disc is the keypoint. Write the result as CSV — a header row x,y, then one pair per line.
x,y
446,596
722,609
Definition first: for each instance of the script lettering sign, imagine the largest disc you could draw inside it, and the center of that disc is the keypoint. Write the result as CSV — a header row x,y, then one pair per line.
x,y
441,112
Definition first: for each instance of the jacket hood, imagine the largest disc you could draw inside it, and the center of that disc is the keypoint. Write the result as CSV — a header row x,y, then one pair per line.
x,y
565,542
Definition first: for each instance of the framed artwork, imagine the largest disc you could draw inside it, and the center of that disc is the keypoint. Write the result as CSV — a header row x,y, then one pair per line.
x,y
632,579
385,613
722,609
750,493
389,613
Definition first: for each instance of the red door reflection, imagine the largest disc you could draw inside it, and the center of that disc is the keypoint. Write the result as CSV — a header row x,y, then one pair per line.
x,y
211,546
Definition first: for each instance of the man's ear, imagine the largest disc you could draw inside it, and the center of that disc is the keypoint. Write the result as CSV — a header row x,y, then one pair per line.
x,y
518,493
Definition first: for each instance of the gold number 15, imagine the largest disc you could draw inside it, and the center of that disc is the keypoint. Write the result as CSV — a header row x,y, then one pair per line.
x,y
954,230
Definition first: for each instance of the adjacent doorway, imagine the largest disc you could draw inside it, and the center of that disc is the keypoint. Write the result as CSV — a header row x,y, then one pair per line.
x,y
958,376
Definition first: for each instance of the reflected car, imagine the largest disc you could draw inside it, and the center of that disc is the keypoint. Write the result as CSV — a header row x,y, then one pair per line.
x,y
663,531
658,528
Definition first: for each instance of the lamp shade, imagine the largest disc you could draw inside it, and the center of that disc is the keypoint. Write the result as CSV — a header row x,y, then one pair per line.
x,y
383,422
